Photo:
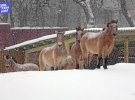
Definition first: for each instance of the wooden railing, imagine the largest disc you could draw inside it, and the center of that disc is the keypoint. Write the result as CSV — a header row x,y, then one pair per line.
x,y
124,35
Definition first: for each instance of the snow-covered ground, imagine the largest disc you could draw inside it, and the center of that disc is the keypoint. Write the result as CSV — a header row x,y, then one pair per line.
x,y
116,83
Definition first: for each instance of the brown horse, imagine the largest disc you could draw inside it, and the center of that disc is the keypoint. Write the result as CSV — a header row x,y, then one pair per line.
x,y
53,57
12,66
100,43
75,49
69,63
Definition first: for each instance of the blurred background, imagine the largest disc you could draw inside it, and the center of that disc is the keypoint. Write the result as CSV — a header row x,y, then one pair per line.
x,y
69,13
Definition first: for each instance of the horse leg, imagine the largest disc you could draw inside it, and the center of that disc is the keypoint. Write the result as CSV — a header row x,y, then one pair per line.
x,y
105,62
90,57
77,66
55,65
86,61
77,63
81,62
52,68
41,65
98,62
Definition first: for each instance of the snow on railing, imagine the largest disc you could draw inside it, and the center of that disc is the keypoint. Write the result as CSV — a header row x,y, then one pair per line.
x,y
4,23
37,40
122,29
14,28
119,29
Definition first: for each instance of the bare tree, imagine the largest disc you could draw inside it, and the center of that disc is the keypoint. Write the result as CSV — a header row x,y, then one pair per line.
x,y
85,4
126,13
62,9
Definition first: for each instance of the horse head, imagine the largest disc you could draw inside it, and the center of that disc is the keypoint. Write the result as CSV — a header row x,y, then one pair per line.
x,y
60,38
8,61
113,26
79,33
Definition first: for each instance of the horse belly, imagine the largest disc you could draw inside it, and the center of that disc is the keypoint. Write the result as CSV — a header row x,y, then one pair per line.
x,y
49,61
109,50
61,58
92,46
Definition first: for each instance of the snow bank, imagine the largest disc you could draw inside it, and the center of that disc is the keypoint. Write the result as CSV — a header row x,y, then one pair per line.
x,y
116,83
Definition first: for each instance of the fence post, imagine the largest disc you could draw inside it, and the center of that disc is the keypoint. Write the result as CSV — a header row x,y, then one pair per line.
x,y
26,57
126,52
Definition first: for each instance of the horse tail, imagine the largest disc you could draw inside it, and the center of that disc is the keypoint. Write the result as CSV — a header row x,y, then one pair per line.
x,y
41,61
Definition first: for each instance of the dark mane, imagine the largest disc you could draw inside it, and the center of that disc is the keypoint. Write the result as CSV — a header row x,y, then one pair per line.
x,y
13,58
112,21
79,28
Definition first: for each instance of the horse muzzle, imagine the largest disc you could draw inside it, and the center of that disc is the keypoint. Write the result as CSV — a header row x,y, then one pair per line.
x,y
114,34
78,41
60,45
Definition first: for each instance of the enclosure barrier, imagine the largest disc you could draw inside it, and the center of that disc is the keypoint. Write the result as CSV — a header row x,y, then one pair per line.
x,y
32,47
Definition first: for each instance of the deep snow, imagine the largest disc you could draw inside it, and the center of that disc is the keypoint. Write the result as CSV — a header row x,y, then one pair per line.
x,y
116,83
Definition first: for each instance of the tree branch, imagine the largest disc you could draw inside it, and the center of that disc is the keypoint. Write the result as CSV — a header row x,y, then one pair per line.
x,y
126,13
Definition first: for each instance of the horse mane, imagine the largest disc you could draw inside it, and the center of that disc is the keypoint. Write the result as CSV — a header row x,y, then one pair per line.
x,y
13,58
112,21
103,29
79,28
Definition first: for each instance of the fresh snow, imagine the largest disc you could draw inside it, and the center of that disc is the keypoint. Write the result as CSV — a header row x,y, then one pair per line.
x,y
115,83
4,23
119,29
14,28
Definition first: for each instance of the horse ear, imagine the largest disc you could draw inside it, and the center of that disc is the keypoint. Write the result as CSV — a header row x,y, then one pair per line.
x,y
56,32
108,24
103,29
5,57
11,57
83,29
116,20
63,33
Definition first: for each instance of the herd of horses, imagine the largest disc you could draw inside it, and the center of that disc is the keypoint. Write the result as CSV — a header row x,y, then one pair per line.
x,y
86,46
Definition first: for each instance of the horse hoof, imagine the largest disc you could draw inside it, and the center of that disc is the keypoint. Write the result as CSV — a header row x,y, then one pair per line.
x,y
105,67
98,67
92,68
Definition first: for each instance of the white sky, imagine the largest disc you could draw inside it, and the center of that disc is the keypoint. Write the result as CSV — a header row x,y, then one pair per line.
x,y
116,83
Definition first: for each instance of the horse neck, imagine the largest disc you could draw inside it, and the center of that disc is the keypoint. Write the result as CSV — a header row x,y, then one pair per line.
x,y
108,33
63,46
13,62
